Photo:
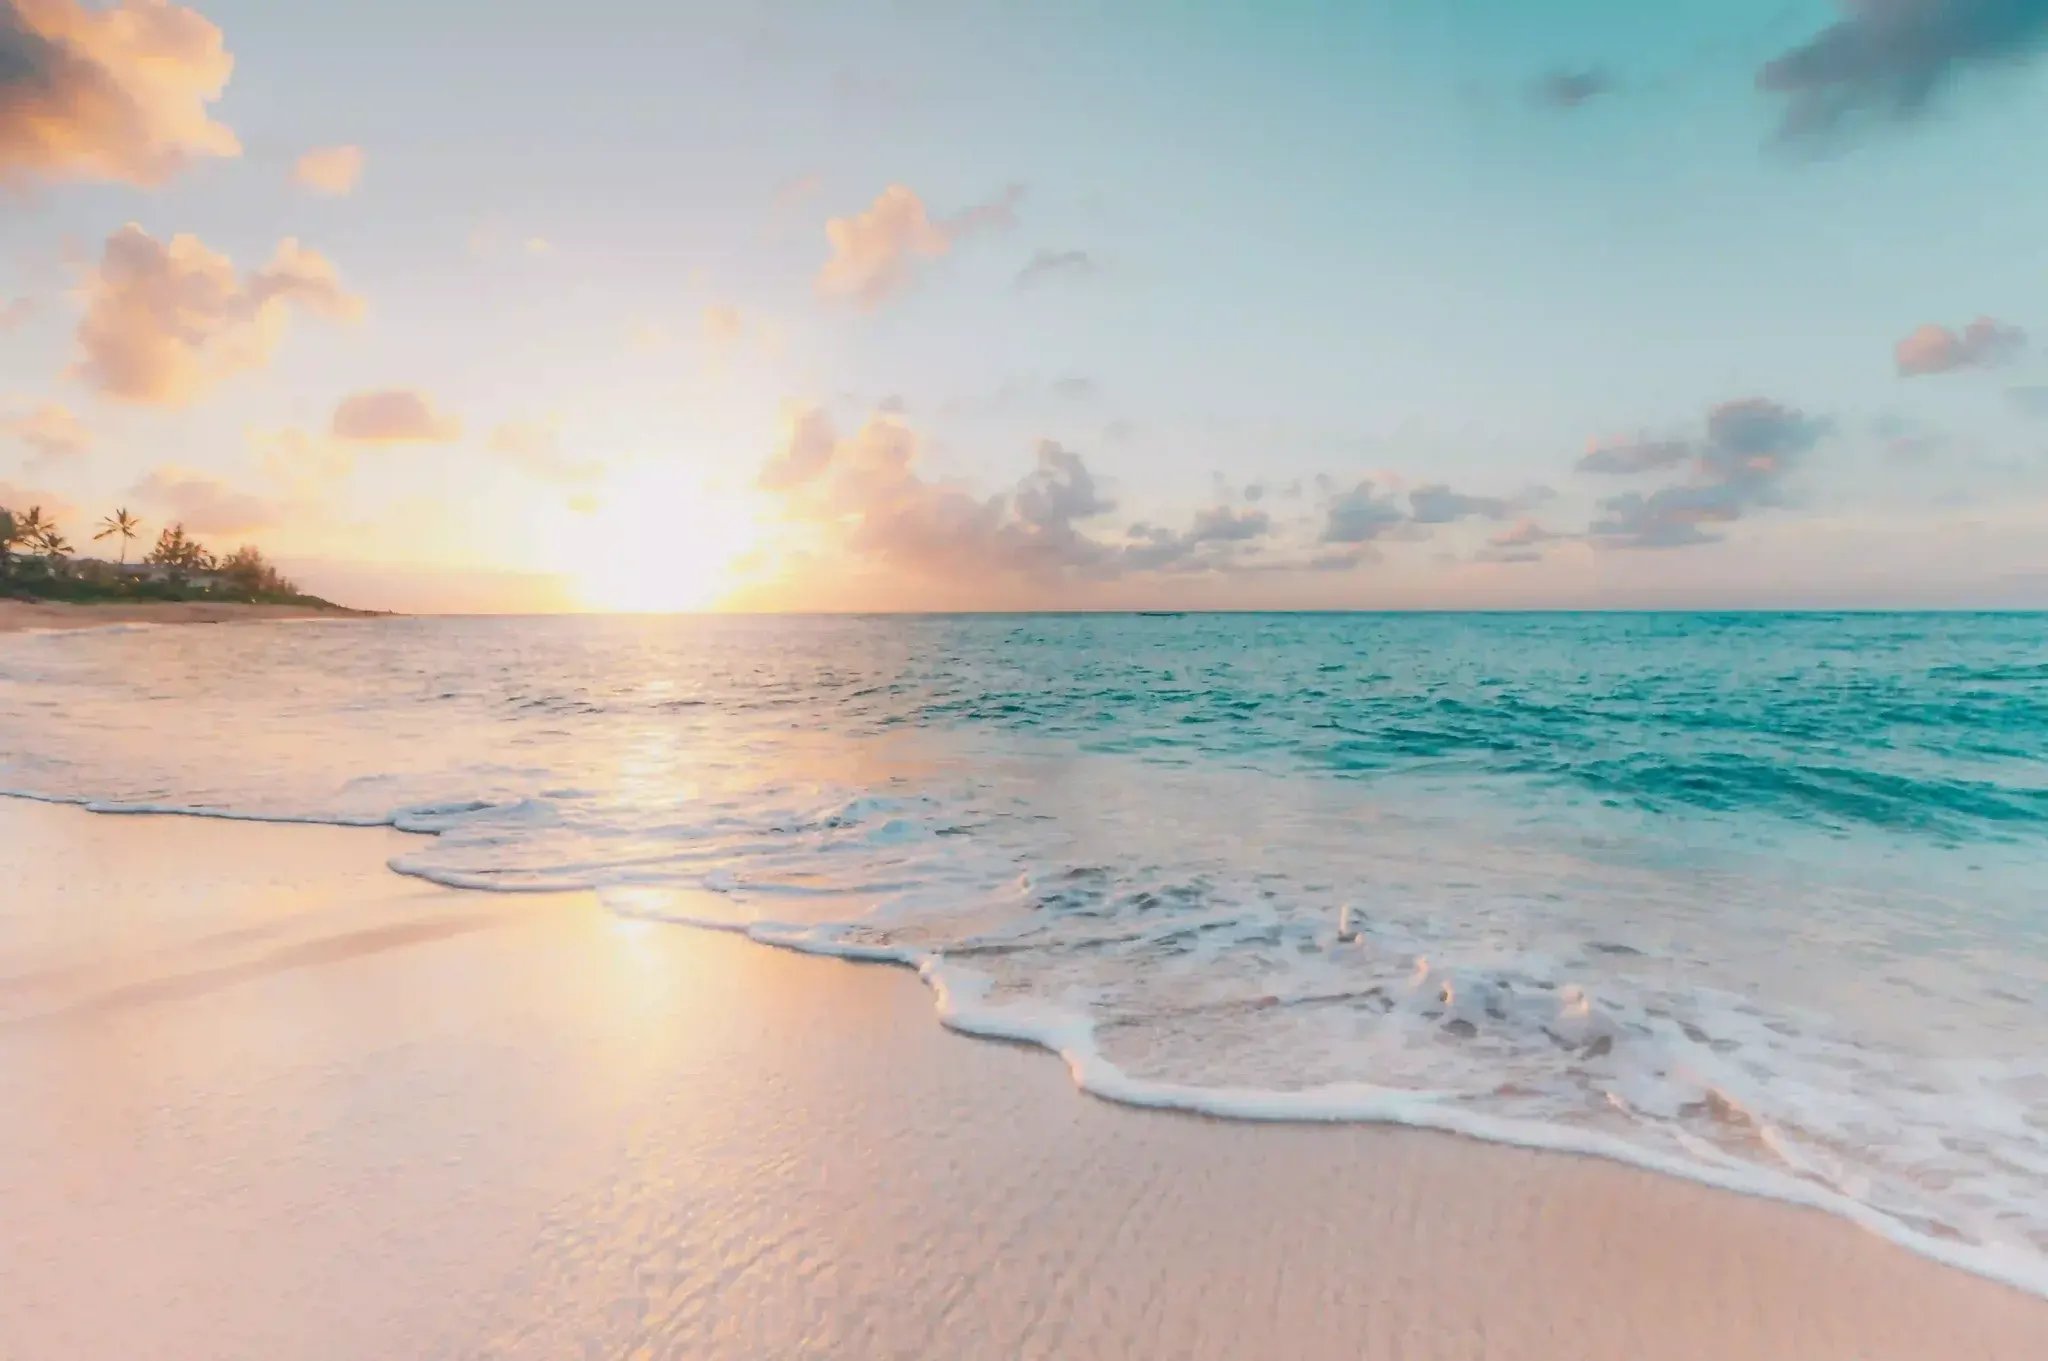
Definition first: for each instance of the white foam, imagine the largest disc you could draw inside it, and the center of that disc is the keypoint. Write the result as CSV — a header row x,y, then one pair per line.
x,y
960,997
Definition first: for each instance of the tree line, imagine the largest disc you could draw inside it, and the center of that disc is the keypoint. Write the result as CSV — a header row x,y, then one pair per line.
x,y
245,570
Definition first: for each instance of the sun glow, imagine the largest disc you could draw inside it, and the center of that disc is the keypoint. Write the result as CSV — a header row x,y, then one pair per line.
x,y
657,542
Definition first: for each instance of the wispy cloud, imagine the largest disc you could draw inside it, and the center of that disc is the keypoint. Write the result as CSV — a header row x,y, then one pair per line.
x,y
1521,542
205,505
333,170
51,432
1639,455
393,416
1571,89
307,467
2032,400
15,496
1437,504
1047,265
117,94
535,448
793,193
724,328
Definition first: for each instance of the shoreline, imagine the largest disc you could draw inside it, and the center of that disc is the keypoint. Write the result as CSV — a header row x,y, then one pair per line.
x,y
20,616
211,937
952,1004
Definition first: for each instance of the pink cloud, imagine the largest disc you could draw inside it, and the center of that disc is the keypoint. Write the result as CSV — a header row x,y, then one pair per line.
x,y
874,252
333,170
115,94
203,504
535,448
166,321
394,416
723,327
15,497
1982,344
52,432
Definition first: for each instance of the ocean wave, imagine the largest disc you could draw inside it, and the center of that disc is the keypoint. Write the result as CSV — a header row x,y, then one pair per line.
x,y
1747,901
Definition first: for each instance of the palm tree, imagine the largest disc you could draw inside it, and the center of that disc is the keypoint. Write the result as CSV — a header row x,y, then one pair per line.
x,y
123,524
30,526
32,529
10,536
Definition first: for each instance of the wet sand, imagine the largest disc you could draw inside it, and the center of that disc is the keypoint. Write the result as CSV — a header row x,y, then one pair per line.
x,y
259,1097
16,615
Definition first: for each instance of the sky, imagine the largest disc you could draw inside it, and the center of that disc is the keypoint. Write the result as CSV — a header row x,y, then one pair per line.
x,y
499,305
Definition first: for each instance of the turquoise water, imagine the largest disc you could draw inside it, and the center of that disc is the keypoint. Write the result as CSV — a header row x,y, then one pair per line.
x,y
1754,899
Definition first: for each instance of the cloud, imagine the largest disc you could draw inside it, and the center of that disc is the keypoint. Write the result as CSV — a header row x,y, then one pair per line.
x,y
808,445
793,193
1054,264
873,252
535,448
1439,505
13,496
1518,543
1570,89
51,432
1224,524
867,497
724,328
1750,447
1642,455
203,504
1892,58
330,170
116,94
1059,491
1360,516
649,337
1906,439
308,467
166,321
393,416
1983,344
1075,388
15,313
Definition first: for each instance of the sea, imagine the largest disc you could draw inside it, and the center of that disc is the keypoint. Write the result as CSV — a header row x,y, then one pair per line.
x,y
1759,900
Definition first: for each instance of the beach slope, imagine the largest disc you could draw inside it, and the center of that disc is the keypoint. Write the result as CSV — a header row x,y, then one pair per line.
x,y
19,615
264,1098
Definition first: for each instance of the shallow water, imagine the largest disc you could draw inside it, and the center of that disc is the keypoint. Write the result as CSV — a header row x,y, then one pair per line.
x,y
1756,899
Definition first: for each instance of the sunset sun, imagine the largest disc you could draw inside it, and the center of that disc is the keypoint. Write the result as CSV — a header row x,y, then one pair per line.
x,y
656,543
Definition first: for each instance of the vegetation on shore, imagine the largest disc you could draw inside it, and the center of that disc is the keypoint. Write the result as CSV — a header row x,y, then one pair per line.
x,y
38,563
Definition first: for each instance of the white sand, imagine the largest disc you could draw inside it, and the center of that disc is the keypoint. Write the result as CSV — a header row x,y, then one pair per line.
x,y
259,1098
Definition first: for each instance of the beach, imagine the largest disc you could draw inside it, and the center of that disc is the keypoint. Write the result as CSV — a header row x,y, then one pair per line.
x,y
265,1098
21,615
